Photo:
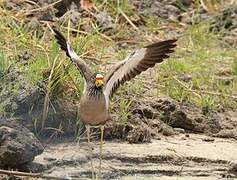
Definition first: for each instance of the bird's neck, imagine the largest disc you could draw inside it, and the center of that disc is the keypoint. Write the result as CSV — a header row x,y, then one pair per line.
x,y
95,92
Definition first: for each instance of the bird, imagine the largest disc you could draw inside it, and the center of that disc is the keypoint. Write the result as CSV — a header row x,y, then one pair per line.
x,y
99,88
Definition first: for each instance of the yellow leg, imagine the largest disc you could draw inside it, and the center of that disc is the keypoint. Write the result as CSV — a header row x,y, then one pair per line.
x,y
91,151
101,145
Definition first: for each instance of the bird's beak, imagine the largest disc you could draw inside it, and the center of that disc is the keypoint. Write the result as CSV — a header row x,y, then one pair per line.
x,y
99,83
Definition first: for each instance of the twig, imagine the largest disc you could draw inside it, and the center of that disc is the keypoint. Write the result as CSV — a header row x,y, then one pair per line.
x,y
91,58
75,30
103,35
32,2
34,175
47,100
127,41
198,92
68,30
186,87
129,21
86,33
203,5
213,93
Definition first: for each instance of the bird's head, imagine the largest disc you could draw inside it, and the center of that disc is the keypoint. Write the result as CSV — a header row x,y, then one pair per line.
x,y
99,80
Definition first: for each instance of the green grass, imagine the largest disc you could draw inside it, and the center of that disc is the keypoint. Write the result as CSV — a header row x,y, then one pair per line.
x,y
234,64
4,64
124,109
152,24
201,57
200,54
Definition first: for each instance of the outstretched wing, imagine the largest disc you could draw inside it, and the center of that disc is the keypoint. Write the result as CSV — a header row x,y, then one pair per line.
x,y
138,61
80,64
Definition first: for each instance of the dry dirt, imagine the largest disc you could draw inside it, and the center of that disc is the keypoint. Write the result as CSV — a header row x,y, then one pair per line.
x,y
184,156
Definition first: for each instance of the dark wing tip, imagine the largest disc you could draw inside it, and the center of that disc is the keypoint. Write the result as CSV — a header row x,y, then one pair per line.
x,y
160,50
157,52
170,42
61,40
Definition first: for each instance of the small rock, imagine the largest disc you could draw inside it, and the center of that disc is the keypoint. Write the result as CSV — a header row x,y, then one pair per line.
x,y
139,134
164,104
187,135
212,123
179,130
167,130
226,80
117,129
106,22
50,159
185,77
179,119
74,17
25,56
32,167
208,139
227,133
233,168
157,137
172,10
145,111
186,18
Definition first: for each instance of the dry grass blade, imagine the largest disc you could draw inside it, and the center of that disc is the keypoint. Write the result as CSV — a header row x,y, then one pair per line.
x,y
213,93
129,21
215,6
46,100
186,87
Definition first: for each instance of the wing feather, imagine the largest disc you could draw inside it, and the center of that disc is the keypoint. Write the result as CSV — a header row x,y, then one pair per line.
x,y
79,63
137,62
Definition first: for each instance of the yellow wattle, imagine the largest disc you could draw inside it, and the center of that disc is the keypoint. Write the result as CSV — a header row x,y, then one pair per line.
x,y
99,83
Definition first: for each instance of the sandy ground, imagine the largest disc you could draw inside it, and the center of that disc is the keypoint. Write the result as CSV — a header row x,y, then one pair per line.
x,y
189,156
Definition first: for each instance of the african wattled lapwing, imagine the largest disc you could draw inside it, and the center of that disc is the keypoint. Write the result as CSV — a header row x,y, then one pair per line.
x,y
94,102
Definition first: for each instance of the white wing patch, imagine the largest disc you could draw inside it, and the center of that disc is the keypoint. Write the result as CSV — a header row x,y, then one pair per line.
x,y
74,57
72,53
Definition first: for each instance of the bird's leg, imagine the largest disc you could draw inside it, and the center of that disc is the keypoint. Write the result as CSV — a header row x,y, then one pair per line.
x,y
101,145
91,150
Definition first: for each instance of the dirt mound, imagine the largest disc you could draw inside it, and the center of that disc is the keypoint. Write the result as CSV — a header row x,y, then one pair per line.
x,y
228,125
163,116
22,99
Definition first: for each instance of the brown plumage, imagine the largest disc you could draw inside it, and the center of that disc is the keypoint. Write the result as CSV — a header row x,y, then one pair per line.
x,y
94,104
